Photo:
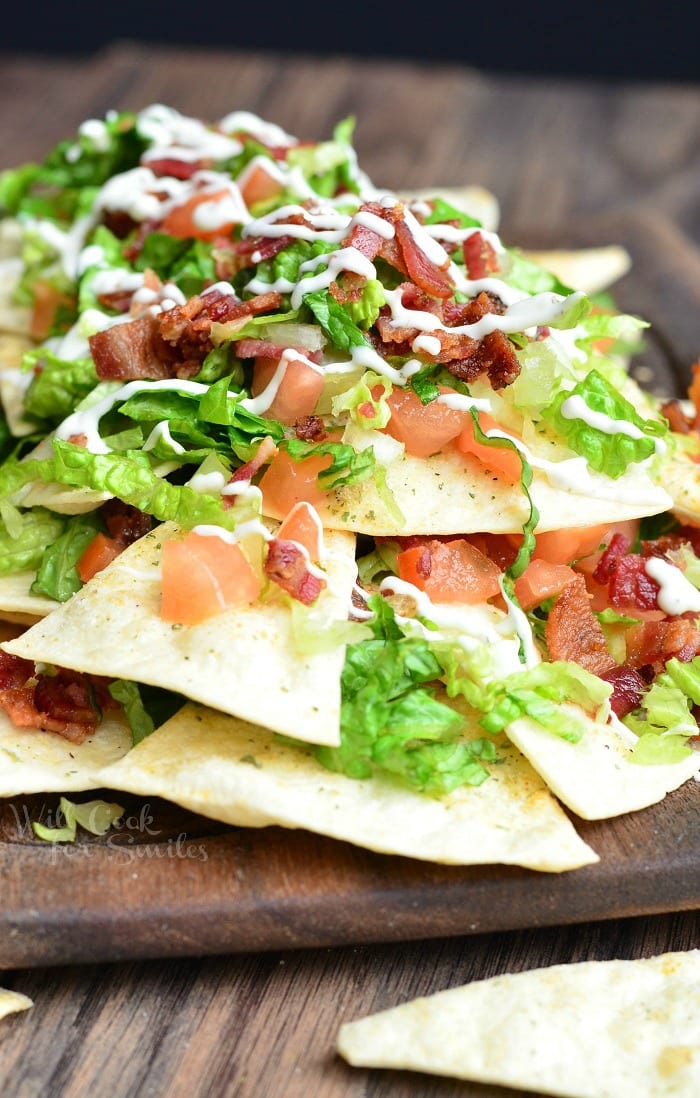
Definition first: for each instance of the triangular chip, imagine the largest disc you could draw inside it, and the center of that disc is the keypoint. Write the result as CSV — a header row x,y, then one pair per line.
x,y
17,604
11,1002
598,1029
235,772
44,762
473,200
595,777
448,492
243,661
587,269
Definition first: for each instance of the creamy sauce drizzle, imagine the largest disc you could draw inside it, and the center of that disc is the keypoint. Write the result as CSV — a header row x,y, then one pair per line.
x,y
677,594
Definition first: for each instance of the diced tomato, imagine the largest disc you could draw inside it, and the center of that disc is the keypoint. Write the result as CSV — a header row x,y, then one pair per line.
x,y
299,389
452,571
47,299
565,546
259,186
541,580
100,552
203,576
287,482
180,222
303,526
423,428
502,549
501,460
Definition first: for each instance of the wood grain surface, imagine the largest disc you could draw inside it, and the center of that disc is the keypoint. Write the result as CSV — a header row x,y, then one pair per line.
x,y
570,164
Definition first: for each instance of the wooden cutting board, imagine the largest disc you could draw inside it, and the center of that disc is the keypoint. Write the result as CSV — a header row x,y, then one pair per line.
x,y
170,883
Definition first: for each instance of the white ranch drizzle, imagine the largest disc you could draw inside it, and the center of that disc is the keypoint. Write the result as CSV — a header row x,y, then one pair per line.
x,y
467,622
528,312
162,431
575,407
179,136
573,475
461,403
86,422
207,484
267,133
68,245
259,405
517,620
345,259
429,344
454,235
677,594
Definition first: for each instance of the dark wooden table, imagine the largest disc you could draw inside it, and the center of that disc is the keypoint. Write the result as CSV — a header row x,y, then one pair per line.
x,y
571,164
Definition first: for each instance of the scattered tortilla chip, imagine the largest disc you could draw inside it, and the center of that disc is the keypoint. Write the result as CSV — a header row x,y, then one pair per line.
x,y
243,661
232,771
12,1002
44,762
475,201
587,269
12,381
598,1029
449,492
682,481
17,604
595,777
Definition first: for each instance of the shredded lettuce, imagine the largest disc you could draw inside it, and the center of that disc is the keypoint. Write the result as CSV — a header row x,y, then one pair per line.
x,y
366,410
664,721
336,322
94,816
608,453
187,263
57,386
23,542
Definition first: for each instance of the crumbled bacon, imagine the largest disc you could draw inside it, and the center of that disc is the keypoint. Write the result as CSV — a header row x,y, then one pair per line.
x,y
66,702
628,689
264,453
653,643
574,633
480,257
425,273
263,348
287,566
177,169
310,429
173,343
678,421
125,524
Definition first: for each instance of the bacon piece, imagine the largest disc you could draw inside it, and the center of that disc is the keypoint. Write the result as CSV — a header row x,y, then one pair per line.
x,y
61,703
480,258
178,169
129,351
125,524
424,272
628,689
118,300
263,348
626,578
264,453
173,343
653,643
574,633
14,671
287,566
678,421
618,547
494,356
310,429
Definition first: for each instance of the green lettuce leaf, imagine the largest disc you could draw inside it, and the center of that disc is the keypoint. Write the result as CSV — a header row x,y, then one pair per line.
x,y
24,547
57,576
187,263
94,816
58,386
606,453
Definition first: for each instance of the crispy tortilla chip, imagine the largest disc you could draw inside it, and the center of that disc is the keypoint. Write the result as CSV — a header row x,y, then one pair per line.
x,y
598,1029
587,269
682,481
44,762
228,770
12,1002
243,661
13,382
13,318
595,777
17,604
475,201
449,492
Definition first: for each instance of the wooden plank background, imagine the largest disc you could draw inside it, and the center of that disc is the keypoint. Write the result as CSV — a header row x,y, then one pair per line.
x,y
570,163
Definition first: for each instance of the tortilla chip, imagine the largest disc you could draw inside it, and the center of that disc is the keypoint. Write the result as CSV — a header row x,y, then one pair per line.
x,y
243,661
11,1002
598,1029
595,777
232,771
587,269
18,604
682,481
44,762
475,201
449,492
